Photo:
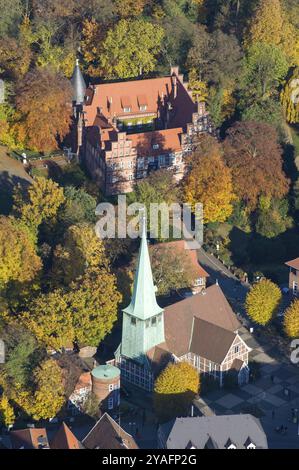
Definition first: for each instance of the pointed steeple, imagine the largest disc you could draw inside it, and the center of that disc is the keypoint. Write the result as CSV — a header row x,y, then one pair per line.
x,y
143,303
79,85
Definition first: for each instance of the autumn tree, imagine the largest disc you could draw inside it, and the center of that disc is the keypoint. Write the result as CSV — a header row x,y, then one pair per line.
x,y
254,156
43,100
49,317
11,14
290,98
127,53
291,320
39,204
81,249
262,302
19,261
209,182
129,8
93,35
7,415
272,217
94,302
165,260
48,397
175,390
270,25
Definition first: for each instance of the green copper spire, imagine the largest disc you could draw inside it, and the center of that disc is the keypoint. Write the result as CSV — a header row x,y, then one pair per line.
x,y
143,303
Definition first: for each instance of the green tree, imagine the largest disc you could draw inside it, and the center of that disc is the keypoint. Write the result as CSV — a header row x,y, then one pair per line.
x,y
127,53
11,14
78,207
262,302
291,320
272,217
175,390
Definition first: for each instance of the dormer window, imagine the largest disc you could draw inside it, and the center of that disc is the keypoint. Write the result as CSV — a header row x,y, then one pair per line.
x,y
155,146
142,102
126,104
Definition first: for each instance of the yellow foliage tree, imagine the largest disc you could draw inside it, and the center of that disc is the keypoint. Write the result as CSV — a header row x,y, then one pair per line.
x,y
91,46
82,248
7,415
174,390
49,395
198,87
290,98
50,319
270,25
129,8
291,320
262,301
41,203
19,261
209,182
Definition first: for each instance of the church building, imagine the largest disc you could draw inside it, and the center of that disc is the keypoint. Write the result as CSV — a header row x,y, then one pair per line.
x,y
201,329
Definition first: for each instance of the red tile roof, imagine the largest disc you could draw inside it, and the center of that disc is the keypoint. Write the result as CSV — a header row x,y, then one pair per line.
x,y
65,439
107,434
83,381
31,438
167,140
113,97
294,263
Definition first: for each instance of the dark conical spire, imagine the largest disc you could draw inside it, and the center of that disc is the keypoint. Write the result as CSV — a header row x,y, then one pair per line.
x,y
79,85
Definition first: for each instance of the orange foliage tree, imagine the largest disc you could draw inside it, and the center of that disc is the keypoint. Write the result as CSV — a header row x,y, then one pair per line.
x,y
44,105
253,154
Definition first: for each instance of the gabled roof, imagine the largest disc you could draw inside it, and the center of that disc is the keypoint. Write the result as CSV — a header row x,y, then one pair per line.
x,y
31,438
210,341
143,303
215,432
64,439
294,263
107,434
111,98
210,306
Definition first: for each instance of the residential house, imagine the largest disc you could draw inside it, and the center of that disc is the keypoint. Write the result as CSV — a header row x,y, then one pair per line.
x,y
293,275
108,434
65,439
31,438
80,394
213,432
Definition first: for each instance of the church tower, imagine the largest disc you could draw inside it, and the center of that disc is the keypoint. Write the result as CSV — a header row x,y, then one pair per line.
x,y
79,90
143,319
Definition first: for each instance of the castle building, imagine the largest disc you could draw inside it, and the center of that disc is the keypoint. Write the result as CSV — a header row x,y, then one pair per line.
x,y
201,330
127,129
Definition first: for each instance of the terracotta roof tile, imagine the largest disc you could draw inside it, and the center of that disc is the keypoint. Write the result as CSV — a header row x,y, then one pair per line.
x,y
64,439
31,438
294,263
107,434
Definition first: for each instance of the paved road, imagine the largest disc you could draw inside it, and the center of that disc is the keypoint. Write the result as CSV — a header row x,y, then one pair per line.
x,y
233,289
